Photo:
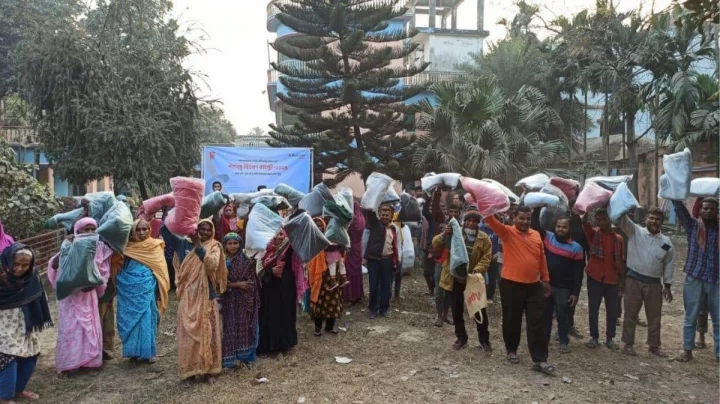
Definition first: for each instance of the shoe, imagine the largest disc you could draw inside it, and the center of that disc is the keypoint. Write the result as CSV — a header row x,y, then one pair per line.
x,y
564,348
593,343
658,352
575,333
629,350
612,345
486,347
458,345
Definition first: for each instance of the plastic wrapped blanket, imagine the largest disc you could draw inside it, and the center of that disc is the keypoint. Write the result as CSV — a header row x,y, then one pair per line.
x,y
274,202
212,204
593,196
246,199
305,237
533,182
547,219
64,220
376,188
408,251
569,187
344,198
114,228
391,196
564,204
153,205
611,182
314,202
458,252
705,187
337,226
540,199
678,176
188,193
622,201
409,209
100,203
291,194
77,264
488,197
512,195
432,181
262,226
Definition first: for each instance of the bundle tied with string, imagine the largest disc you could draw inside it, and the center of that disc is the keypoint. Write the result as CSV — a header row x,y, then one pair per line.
x,y
188,193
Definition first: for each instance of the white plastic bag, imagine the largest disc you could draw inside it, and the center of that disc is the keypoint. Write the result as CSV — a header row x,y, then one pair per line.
x,y
432,181
458,252
678,176
262,226
274,202
621,202
408,250
533,182
540,199
611,182
246,198
291,194
512,195
305,237
705,187
564,204
391,196
376,189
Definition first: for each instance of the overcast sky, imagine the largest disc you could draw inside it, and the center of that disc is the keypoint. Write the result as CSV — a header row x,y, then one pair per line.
x,y
235,62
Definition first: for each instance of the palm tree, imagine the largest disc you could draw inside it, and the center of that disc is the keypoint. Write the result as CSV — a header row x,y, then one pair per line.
x,y
479,130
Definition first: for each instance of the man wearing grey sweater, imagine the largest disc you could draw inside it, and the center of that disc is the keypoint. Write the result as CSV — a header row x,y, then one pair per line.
x,y
650,258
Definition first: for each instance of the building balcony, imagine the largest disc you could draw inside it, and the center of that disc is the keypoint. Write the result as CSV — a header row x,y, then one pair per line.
x,y
426,78
21,136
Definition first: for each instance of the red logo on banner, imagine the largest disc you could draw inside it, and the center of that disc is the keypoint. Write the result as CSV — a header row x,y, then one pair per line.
x,y
212,155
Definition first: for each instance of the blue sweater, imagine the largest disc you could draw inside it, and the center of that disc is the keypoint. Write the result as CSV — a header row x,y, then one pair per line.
x,y
565,260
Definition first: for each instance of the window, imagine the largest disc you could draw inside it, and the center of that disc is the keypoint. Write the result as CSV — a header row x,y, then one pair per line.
x,y
78,190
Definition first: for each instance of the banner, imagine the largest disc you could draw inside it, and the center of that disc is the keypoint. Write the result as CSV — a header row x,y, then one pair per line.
x,y
240,169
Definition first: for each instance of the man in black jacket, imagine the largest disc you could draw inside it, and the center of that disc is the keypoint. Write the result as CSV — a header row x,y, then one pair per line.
x,y
382,258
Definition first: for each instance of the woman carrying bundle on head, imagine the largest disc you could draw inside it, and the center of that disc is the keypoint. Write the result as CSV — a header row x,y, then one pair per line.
x,y
326,299
142,293
240,305
201,277
24,313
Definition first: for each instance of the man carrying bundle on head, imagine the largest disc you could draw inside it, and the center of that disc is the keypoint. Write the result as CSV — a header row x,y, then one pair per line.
x,y
382,258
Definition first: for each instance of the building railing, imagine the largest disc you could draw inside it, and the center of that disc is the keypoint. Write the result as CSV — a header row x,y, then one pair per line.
x,y
19,135
272,75
432,78
272,10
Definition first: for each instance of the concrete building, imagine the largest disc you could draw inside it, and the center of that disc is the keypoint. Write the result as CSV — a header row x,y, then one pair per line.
x,y
28,150
444,46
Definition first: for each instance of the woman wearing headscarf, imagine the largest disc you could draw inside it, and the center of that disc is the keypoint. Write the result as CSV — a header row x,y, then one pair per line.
x,y
201,276
353,260
5,239
24,313
226,222
278,298
80,339
142,292
240,305
325,301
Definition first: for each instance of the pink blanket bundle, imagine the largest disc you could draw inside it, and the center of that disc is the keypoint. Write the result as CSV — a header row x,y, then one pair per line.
x,y
153,205
490,199
569,187
592,197
188,193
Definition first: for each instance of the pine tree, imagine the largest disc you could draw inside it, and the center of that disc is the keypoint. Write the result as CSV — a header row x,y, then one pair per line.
x,y
344,87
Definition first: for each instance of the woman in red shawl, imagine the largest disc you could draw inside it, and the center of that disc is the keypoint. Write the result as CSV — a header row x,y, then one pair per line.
x,y
226,222
353,260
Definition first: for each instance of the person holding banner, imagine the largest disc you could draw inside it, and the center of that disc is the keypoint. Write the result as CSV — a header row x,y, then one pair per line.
x,y
479,249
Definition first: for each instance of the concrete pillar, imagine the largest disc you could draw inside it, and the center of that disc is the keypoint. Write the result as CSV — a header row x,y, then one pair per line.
x,y
432,4
51,178
481,15
453,19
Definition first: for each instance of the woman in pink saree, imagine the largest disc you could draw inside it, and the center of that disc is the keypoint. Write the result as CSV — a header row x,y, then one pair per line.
x,y
79,340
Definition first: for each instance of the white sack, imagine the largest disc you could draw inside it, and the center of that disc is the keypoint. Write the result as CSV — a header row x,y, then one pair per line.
x,y
678,175
705,187
533,182
376,189
431,182
621,202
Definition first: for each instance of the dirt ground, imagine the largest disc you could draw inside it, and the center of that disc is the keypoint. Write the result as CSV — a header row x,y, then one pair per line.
x,y
404,359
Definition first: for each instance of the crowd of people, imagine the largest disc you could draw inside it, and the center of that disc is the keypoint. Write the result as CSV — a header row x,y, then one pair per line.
x,y
234,306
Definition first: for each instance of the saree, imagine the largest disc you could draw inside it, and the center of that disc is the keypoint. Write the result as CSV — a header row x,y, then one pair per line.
x,y
353,259
198,318
79,338
240,313
278,302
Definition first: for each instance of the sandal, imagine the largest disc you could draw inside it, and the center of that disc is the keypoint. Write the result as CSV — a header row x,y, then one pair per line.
x,y
593,343
564,349
629,350
512,358
317,333
658,352
612,345
548,369
28,395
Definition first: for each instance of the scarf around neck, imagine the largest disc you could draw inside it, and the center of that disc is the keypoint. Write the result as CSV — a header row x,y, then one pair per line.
x,y
596,249
24,292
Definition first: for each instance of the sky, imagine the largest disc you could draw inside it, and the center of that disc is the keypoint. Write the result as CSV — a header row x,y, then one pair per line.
x,y
233,66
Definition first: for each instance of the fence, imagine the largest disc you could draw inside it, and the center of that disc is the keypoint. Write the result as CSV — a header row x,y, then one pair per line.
x,y
45,246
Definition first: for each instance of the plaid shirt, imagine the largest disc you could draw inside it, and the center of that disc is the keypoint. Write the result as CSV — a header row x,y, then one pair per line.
x,y
700,264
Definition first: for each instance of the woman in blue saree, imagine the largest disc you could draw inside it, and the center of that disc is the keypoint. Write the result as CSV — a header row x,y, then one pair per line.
x,y
142,293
